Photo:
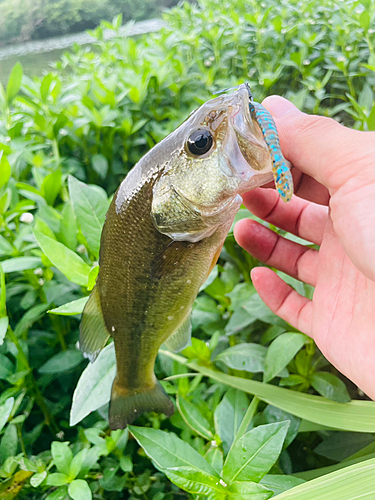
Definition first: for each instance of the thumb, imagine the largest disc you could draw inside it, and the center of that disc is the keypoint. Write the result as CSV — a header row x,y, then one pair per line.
x,y
320,147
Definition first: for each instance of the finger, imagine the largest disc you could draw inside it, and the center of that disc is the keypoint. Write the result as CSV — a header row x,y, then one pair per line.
x,y
283,300
307,188
320,147
302,218
267,246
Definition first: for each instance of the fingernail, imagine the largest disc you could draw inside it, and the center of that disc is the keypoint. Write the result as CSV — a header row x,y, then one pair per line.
x,y
278,106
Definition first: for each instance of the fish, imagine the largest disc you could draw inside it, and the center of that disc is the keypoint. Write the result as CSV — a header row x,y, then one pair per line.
x,y
163,235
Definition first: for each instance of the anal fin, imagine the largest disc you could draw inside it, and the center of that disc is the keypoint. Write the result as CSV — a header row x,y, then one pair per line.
x,y
181,338
93,332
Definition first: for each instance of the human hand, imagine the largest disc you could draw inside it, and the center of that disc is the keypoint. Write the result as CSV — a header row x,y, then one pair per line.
x,y
335,167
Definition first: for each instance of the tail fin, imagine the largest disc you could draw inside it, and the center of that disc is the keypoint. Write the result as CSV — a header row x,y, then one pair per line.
x,y
127,405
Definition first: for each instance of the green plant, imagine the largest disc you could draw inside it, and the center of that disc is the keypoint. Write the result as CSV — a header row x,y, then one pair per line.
x,y
249,382
26,20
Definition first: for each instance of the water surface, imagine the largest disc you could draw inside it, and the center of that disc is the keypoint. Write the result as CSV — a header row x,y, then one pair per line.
x,y
36,56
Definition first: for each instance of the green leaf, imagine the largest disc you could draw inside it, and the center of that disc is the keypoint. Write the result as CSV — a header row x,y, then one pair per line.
x,y
281,352
62,456
62,362
330,386
57,479
339,446
198,350
6,367
253,455
292,380
51,186
357,416
20,264
67,261
193,418
90,206
364,20
5,247
92,456
14,82
239,320
5,201
371,119
29,318
197,482
77,463
126,463
258,309
272,414
59,494
279,484
79,490
350,483
4,323
70,308
247,490
167,451
5,170
100,165
68,227
94,386
92,277
240,295
229,415
8,446
366,97
5,411
247,357
38,478
214,457
43,227
3,292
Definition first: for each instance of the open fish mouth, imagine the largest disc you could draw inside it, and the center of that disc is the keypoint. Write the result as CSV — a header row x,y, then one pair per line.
x,y
246,150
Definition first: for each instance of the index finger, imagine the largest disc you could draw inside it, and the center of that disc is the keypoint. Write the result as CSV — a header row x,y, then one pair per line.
x,y
307,188
319,146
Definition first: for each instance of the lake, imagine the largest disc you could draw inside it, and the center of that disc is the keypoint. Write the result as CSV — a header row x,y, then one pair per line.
x,y
36,56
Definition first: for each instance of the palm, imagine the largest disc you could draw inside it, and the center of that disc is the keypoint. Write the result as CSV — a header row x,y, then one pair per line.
x,y
341,316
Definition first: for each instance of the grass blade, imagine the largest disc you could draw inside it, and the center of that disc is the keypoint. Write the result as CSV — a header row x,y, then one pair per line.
x,y
356,416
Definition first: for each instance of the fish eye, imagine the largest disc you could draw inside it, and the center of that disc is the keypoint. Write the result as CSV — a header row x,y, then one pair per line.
x,y
199,142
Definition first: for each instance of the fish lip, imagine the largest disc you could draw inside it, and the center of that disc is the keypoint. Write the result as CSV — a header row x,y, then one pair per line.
x,y
243,95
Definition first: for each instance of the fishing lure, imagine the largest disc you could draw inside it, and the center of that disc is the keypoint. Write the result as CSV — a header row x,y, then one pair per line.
x,y
281,173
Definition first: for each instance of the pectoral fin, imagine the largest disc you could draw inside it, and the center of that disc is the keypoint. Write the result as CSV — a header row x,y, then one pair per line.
x,y
181,338
93,332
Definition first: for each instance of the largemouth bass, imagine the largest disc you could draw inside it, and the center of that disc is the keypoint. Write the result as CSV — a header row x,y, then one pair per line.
x,y
163,234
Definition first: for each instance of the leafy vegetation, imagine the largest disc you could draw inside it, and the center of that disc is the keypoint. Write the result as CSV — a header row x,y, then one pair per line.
x,y
259,411
34,20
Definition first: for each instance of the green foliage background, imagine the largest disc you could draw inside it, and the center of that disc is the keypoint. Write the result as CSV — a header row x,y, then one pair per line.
x,y
66,141
23,20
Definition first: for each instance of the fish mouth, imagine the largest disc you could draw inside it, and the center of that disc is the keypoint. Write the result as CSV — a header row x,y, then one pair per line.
x,y
246,149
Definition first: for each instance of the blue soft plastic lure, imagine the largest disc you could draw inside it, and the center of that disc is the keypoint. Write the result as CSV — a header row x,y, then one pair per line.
x,y
281,173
